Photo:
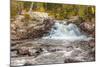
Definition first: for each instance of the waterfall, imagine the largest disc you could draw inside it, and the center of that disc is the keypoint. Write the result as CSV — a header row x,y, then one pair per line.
x,y
65,31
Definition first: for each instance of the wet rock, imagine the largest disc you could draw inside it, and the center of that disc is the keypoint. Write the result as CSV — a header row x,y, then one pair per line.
x,y
29,51
27,64
13,54
86,45
92,43
76,52
50,58
55,49
88,27
69,48
23,51
70,60
20,61
47,51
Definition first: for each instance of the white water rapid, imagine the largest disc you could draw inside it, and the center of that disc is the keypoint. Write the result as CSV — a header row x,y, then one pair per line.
x,y
66,31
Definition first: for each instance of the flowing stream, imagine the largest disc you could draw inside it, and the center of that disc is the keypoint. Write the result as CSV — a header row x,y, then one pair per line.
x,y
66,31
64,43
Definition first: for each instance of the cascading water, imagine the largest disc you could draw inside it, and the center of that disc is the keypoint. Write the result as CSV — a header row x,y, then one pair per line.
x,y
65,31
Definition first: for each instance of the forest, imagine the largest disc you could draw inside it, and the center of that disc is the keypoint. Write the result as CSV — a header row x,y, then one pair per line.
x,y
58,11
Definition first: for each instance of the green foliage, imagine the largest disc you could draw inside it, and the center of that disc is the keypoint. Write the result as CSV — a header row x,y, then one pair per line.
x,y
58,11
27,17
13,8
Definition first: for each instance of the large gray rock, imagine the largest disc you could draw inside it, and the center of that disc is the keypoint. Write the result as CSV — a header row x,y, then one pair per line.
x,y
29,49
88,27
75,19
31,25
50,58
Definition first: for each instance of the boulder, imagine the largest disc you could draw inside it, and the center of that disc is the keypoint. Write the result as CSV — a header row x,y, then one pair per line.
x,y
50,58
75,19
88,27
39,15
71,60
22,51
36,25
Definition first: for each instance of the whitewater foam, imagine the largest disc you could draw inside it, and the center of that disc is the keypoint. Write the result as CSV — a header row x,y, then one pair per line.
x,y
66,31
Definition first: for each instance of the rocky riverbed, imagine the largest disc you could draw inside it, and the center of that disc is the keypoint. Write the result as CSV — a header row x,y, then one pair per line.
x,y
49,51
38,39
